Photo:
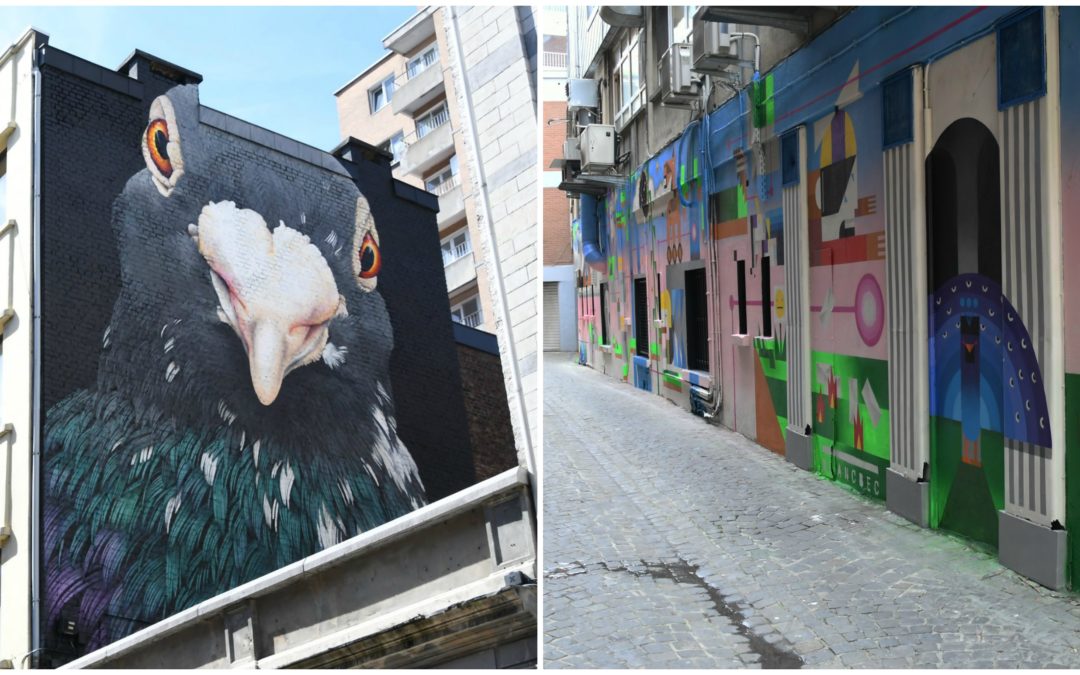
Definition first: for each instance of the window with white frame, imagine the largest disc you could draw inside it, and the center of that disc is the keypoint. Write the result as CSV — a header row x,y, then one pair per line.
x,y
455,247
468,312
381,95
422,61
431,121
443,181
628,86
3,187
681,23
395,146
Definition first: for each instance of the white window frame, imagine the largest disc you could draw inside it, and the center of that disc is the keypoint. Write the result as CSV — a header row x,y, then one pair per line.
x,y
385,94
3,186
443,181
454,250
396,141
439,110
676,34
417,64
628,102
457,312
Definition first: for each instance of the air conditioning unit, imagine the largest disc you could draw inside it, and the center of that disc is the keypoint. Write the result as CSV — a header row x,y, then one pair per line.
x,y
676,81
597,148
571,149
713,49
582,94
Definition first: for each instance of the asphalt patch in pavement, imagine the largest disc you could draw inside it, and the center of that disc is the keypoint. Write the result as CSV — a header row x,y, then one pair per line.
x,y
683,572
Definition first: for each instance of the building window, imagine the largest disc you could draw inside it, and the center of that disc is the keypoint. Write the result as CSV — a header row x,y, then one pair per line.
x,y
455,247
897,110
382,94
422,61
641,317
3,188
603,315
395,146
681,24
740,270
431,121
697,321
444,181
766,298
1021,58
468,312
628,84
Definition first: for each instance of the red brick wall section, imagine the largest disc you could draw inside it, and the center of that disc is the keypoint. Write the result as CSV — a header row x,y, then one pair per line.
x,y
554,133
557,249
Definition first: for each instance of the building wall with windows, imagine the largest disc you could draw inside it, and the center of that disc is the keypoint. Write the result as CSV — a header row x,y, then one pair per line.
x,y
469,121
420,128
860,260
560,281
160,457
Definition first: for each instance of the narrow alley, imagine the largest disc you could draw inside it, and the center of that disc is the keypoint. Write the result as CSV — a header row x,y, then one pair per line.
x,y
672,543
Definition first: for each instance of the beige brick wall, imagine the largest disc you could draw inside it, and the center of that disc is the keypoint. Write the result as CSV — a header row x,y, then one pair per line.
x,y
500,84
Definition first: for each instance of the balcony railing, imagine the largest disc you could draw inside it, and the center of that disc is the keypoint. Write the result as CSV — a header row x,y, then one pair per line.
x,y
555,59
456,253
430,124
444,187
471,320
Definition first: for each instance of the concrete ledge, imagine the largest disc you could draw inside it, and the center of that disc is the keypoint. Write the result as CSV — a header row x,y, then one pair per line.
x,y
1036,551
799,451
425,560
907,498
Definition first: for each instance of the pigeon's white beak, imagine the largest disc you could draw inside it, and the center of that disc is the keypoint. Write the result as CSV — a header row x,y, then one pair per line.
x,y
275,290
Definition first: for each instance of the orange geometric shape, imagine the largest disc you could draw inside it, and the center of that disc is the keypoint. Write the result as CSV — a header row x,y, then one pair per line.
x,y
769,433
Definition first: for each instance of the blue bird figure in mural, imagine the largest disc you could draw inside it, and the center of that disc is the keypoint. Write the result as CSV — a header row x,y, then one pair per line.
x,y
242,416
987,375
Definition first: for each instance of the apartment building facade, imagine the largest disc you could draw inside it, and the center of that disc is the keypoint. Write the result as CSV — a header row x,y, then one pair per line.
x,y
847,235
560,308
454,101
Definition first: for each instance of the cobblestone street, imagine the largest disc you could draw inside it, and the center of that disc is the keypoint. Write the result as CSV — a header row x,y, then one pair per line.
x,y
672,543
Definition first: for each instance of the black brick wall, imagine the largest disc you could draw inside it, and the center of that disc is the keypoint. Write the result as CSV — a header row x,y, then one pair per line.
x,y
92,122
90,148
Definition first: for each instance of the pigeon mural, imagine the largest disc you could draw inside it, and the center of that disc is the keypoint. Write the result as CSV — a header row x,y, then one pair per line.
x,y
242,415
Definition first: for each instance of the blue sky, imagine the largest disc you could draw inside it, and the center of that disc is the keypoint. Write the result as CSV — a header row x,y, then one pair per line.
x,y
277,67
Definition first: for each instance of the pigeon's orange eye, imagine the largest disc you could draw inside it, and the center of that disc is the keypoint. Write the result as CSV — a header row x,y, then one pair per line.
x,y
370,258
157,140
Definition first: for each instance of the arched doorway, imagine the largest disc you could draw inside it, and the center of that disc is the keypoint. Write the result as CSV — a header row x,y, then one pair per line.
x,y
967,335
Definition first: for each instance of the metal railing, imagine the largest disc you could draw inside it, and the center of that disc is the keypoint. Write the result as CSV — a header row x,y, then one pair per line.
x,y
471,320
446,186
456,253
555,59
400,79
431,124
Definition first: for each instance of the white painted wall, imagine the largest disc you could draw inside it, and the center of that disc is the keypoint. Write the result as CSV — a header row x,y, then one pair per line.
x,y
16,274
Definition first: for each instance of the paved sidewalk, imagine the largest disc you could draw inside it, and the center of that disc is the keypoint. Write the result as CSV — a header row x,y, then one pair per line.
x,y
672,543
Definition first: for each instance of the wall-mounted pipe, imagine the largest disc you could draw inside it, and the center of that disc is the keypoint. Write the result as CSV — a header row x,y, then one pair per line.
x,y
591,248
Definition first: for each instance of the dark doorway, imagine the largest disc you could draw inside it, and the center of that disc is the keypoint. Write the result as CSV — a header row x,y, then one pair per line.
x,y
603,315
697,321
641,318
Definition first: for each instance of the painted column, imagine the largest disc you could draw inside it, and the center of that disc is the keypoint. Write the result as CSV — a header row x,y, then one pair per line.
x,y
906,290
797,282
